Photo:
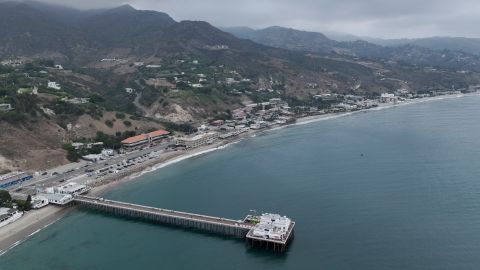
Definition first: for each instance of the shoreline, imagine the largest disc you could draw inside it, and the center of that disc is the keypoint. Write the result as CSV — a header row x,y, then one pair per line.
x,y
34,221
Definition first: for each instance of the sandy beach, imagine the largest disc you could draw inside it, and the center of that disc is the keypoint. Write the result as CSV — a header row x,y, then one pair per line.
x,y
35,220
31,222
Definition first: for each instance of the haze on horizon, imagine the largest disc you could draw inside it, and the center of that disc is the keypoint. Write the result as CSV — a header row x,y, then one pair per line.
x,y
372,18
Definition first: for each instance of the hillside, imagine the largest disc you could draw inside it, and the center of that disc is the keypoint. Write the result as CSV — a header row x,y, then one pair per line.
x,y
126,71
286,38
448,53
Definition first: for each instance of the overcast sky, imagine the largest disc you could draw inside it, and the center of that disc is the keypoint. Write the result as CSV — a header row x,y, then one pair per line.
x,y
375,18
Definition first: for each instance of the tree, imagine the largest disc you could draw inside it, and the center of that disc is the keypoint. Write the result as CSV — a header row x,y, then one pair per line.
x,y
120,115
72,154
25,205
109,123
46,63
96,99
5,198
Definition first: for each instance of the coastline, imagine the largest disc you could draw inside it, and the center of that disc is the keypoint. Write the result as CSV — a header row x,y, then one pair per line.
x,y
316,118
34,221
31,223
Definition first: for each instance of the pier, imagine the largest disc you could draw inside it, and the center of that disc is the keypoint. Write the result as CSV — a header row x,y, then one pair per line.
x,y
245,228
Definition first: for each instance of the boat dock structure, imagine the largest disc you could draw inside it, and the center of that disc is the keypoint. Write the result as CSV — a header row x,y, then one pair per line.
x,y
270,231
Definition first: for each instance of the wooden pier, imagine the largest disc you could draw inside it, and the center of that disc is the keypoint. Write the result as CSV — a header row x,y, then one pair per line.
x,y
234,228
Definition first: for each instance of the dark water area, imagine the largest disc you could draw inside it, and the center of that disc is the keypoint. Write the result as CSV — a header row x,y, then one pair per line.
x,y
387,189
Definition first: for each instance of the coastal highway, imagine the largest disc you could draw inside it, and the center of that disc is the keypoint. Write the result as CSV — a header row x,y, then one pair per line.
x,y
77,170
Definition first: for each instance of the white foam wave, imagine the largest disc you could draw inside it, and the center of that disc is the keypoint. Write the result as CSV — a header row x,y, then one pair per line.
x,y
379,108
179,159
323,118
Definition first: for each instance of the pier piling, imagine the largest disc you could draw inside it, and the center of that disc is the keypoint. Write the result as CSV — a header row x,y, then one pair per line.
x,y
227,227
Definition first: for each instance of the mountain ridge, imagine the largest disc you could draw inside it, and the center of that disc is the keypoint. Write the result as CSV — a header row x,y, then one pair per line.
x,y
412,54
128,70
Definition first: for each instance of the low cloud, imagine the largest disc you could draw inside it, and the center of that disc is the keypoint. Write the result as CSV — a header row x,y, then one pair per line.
x,y
376,18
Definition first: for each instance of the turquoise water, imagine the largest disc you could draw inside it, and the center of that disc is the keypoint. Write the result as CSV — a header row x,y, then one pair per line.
x,y
387,189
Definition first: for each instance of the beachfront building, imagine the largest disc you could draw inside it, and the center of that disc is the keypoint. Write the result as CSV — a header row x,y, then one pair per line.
x,y
71,189
56,198
144,139
13,178
94,157
39,201
259,125
108,152
387,98
197,140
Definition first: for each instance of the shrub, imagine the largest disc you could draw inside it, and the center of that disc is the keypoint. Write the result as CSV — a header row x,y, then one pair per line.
x,y
13,117
109,123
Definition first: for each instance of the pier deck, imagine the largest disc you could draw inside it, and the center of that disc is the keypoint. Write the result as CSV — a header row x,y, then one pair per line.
x,y
275,244
235,228
190,220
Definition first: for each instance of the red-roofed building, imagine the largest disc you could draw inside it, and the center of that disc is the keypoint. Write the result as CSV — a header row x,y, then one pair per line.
x,y
142,139
158,133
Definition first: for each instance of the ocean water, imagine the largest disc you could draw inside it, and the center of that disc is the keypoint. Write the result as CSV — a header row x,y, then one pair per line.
x,y
387,189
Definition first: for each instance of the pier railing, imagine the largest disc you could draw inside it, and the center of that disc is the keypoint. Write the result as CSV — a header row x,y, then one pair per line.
x,y
229,227
189,220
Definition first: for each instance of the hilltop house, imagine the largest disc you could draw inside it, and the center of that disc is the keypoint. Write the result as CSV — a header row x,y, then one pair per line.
x,y
196,85
5,107
76,100
54,85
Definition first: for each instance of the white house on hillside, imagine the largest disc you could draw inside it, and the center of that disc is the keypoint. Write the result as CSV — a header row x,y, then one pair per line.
x,y
54,85
6,107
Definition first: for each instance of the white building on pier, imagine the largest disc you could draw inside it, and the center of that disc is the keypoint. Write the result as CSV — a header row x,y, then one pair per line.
x,y
272,226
